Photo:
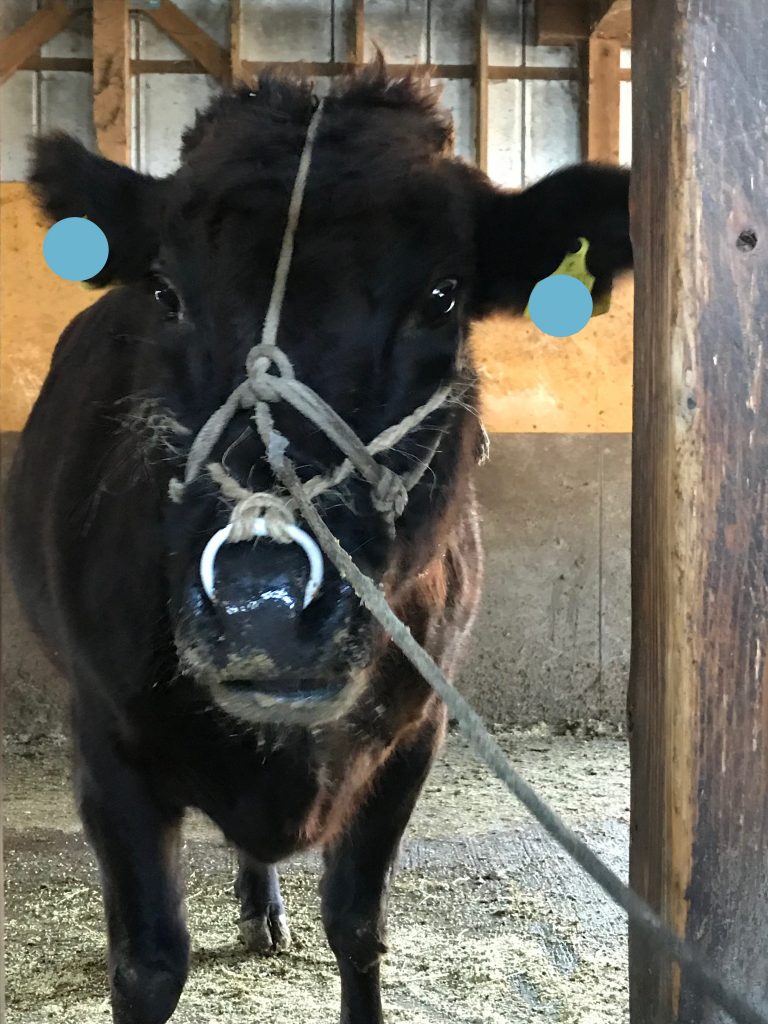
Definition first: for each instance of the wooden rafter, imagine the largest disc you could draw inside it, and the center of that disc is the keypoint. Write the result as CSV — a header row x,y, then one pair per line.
x,y
111,78
192,39
22,44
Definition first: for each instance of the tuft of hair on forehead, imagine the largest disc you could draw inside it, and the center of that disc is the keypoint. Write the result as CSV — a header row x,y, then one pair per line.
x,y
280,97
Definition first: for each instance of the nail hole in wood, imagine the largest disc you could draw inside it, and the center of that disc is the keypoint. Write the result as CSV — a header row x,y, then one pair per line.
x,y
746,241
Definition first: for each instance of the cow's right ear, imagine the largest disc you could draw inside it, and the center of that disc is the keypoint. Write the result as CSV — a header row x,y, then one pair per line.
x,y
70,181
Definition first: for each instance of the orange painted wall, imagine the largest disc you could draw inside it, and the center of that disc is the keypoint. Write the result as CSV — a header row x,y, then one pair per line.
x,y
531,382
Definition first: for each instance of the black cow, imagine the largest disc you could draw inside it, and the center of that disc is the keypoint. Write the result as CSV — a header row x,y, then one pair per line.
x,y
399,247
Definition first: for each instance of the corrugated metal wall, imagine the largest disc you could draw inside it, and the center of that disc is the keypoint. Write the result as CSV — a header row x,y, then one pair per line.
x,y
533,125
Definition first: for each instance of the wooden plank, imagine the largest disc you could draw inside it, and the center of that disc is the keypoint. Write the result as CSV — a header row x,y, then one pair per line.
x,y
111,78
604,100
481,84
450,71
320,69
236,41
699,675
193,40
612,19
562,22
356,47
22,44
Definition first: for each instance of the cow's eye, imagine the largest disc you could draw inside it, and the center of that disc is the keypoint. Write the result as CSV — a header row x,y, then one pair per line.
x,y
168,300
441,300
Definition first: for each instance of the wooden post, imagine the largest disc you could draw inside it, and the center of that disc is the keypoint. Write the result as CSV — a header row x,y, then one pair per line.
x,y
22,44
699,674
356,50
481,84
603,100
112,78
235,41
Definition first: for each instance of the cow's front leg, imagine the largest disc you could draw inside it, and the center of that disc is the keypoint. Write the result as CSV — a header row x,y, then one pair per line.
x,y
358,870
136,841
263,921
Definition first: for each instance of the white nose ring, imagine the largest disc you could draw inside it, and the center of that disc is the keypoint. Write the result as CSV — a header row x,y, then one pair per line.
x,y
260,529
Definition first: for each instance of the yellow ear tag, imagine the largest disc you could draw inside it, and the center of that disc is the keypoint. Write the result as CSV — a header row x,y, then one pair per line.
x,y
575,265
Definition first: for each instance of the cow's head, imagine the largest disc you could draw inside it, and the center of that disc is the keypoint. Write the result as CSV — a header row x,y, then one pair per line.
x,y
399,247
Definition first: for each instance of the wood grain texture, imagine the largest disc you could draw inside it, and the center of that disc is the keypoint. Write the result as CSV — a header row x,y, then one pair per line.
x,y
356,47
562,22
192,39
235,41
699,681
612,19
604,100
22,44
111,78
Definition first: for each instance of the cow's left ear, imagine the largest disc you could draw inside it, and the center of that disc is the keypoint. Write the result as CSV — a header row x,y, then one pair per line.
x,y
523,237
70,181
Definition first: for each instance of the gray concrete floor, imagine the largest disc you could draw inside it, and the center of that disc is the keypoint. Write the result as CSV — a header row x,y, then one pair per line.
x,y
489,923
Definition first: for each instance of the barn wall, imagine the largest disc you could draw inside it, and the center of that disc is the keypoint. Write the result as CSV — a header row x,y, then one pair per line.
x,y
552,638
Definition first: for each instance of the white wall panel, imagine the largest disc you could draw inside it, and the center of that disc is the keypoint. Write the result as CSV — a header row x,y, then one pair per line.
x,y
399,27
285,30
75,41
166,105
18,118
459,98
505,132
552,131
66,104
452,32
211,15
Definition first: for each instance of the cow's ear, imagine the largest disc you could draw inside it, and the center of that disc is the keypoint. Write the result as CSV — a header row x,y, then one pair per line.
x,y
523,237
70,181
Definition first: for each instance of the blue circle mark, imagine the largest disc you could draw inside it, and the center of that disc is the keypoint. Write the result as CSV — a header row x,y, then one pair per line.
x,y
75,248
560,305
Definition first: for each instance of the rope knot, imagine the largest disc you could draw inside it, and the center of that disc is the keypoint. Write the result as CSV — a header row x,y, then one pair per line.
x,y
260,364
274,510
389,495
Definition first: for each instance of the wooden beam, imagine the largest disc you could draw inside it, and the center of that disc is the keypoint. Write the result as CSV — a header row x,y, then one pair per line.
x,y
236,41
699,672
481,84
319,69
111,78
612,19
452,71
562,22
193,40
22,44
356,47
603,101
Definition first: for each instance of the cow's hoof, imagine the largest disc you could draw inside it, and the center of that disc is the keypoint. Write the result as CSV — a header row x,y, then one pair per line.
x,y
142,995
267,934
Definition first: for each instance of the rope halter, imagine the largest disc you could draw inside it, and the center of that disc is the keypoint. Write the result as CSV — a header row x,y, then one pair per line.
x,y
270,378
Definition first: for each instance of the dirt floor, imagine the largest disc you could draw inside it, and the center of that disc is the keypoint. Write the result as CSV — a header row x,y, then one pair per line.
x,y
489,923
